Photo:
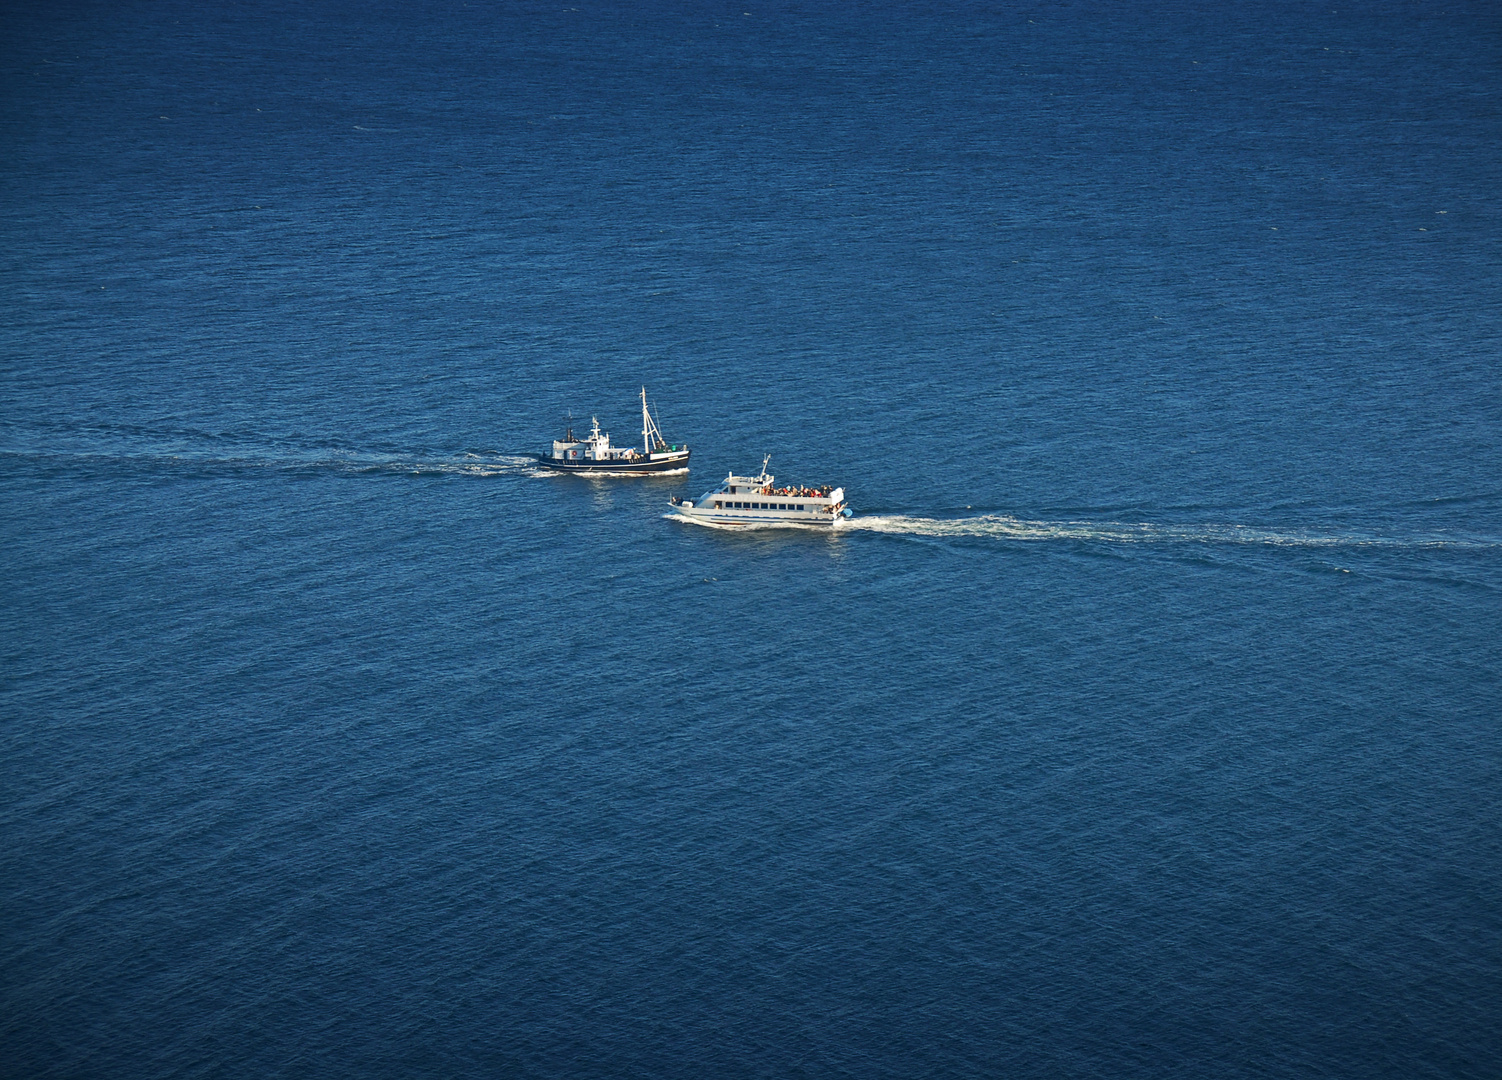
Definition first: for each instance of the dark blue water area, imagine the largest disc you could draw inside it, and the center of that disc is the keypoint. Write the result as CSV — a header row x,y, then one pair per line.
x,y
1146,720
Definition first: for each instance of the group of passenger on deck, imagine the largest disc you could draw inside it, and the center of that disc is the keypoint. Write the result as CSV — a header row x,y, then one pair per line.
x,y
799,492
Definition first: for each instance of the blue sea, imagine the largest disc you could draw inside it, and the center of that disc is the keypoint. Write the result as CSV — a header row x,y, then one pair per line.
x,y
1145,721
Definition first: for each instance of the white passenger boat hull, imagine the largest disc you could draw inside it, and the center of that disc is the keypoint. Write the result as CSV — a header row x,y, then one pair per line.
x,y
756,502
757,519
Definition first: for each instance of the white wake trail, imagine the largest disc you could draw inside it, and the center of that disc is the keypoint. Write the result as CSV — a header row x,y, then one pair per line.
x,y
280,459
1002,527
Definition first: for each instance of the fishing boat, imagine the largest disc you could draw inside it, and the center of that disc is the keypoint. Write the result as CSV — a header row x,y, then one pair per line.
x,y
759,501
594,454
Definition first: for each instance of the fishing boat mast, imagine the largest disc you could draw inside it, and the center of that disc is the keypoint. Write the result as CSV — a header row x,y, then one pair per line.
x,y
648,426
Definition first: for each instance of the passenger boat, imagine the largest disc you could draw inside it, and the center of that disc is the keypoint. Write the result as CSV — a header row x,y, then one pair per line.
x,y
757,500
594,454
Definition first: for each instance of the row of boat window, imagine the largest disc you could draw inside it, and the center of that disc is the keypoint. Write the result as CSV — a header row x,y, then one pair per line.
x,y
720,505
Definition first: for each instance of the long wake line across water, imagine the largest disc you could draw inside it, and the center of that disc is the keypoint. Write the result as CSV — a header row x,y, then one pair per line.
x,y
986,526
415,464
1001,527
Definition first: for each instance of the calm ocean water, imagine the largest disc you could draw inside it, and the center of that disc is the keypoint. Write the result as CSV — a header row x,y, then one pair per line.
x,y
1146,721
